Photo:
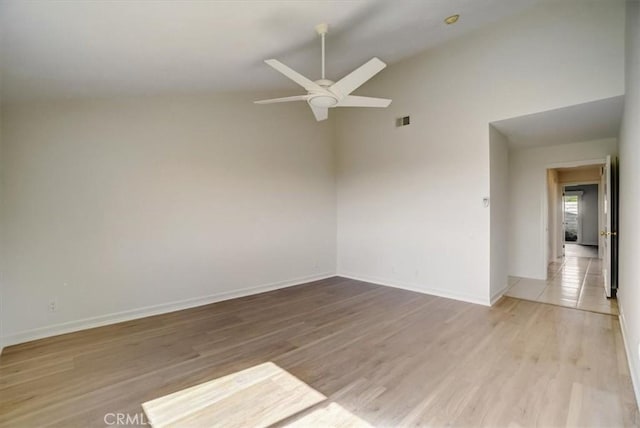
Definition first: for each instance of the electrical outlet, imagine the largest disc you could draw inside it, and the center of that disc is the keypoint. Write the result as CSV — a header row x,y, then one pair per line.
x,y
53,305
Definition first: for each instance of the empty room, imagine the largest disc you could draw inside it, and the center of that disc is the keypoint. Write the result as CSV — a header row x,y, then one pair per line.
x,y
354,213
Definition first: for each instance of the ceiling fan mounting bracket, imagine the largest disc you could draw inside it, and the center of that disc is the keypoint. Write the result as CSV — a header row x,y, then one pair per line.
x,y
322,29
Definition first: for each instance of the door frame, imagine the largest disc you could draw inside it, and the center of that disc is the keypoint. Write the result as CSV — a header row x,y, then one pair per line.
x,y
545,202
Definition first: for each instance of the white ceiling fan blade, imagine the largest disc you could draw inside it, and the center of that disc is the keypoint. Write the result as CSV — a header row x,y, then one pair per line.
x,y
283,100
321,113
357,77
356,101
309,85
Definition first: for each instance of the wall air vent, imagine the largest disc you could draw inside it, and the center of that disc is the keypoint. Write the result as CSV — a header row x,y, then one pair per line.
x,y
403,121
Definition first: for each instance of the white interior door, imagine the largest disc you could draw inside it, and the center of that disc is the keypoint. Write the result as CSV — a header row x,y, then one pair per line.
x,y
605,233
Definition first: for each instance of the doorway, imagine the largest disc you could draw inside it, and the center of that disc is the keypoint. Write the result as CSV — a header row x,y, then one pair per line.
x,y
572,210
582,212
578,268
576,211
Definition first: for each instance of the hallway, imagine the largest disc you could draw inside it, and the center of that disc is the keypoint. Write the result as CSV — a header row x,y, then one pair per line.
x,y
575,282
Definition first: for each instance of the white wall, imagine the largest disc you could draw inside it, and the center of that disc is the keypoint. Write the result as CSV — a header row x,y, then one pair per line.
x,y
410,209
499,211
122,208
528,215
629,226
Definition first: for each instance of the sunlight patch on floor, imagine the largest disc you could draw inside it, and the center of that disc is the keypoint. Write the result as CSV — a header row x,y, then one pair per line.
x,y
259,396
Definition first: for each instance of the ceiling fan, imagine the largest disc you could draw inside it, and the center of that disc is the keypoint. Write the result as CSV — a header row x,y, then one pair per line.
x,y
324,94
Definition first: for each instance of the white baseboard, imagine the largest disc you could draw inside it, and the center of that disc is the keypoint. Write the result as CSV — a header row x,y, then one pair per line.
x,y
633,367
102,320
498,295
417,288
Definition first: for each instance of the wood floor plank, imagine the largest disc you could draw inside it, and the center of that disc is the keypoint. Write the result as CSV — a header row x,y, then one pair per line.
x,y
389,357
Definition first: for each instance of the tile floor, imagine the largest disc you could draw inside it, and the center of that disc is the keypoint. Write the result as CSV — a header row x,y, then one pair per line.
x,y
578,250
575,282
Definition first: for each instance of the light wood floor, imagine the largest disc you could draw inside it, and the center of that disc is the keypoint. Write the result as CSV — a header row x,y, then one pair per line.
x,y
391,357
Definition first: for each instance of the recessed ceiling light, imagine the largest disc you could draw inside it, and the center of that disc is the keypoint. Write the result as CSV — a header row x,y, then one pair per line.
x,y
451,19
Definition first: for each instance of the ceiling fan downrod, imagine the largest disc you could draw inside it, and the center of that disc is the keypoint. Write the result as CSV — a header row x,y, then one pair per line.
x,y
322,30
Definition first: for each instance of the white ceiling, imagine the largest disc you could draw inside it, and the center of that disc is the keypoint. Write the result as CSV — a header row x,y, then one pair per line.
x,y
104,48
583,122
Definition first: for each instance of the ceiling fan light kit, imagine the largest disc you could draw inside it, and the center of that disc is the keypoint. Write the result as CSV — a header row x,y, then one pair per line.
x,y
322,101
323,94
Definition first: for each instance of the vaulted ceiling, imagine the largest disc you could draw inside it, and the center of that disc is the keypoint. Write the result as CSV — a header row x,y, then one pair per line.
x,y
105,48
